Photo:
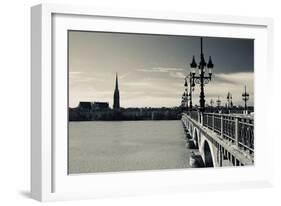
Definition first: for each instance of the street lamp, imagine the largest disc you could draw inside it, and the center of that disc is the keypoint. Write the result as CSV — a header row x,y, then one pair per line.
x,y
201,78
218,102
245,98
191,88
185,96
212,102
212,105
184,100
186,92
229,100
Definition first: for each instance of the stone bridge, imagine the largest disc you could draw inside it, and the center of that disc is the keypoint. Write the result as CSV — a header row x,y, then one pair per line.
x,y
217,140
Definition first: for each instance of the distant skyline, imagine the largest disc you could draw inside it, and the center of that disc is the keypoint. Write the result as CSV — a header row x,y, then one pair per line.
x,y
151,68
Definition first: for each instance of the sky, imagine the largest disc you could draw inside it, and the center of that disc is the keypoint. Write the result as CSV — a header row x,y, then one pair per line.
x,y
151,68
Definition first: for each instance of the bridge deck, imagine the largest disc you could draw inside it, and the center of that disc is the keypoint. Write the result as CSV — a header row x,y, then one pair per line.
x,y
243,156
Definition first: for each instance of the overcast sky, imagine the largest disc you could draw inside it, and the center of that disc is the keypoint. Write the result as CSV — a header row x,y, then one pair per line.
x,y
151,68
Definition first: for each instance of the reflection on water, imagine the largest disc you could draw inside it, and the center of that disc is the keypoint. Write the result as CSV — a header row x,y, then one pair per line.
x,y
126,145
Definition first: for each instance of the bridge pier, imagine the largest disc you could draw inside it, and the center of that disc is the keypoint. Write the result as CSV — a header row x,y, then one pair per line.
x,y
196,160
190,144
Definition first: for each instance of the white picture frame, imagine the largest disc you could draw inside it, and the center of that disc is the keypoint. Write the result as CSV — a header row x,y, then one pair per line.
x,y
49,179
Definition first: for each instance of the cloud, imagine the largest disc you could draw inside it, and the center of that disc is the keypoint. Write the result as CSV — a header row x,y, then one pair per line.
x,y
79,77
137,84
75,73
162,89
123,76
171,71
178,75
234,83
234,78
160,69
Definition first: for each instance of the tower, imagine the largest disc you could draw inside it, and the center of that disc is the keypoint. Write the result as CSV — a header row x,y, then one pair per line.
x,y
116,97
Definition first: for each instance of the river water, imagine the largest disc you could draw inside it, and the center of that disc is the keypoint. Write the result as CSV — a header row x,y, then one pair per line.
x,y
126,146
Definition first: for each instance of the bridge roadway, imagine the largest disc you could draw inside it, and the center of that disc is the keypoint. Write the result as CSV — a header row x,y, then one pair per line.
x,y
218,140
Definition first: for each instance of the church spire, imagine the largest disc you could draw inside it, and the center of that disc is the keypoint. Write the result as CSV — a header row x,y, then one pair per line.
x,y
116,97
116,82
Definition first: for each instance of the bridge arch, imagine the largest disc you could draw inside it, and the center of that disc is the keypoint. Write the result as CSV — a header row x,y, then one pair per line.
x,y
207,153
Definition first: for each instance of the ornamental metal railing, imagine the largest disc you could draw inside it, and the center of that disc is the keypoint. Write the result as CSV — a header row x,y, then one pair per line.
x,y
238,129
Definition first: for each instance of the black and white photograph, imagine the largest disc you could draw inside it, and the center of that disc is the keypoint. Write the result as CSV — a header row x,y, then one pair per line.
x,y
152,102
140,103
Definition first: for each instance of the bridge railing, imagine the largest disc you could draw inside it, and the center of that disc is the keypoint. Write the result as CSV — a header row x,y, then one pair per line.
x,y
238,129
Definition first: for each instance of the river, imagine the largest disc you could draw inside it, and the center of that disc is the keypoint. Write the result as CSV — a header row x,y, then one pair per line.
x,y
100,146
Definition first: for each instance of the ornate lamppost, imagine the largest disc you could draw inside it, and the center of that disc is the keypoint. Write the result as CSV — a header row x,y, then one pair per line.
x,y
186,93
245,98
229,100
218,103
212,103
191,88
184,101
201,78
